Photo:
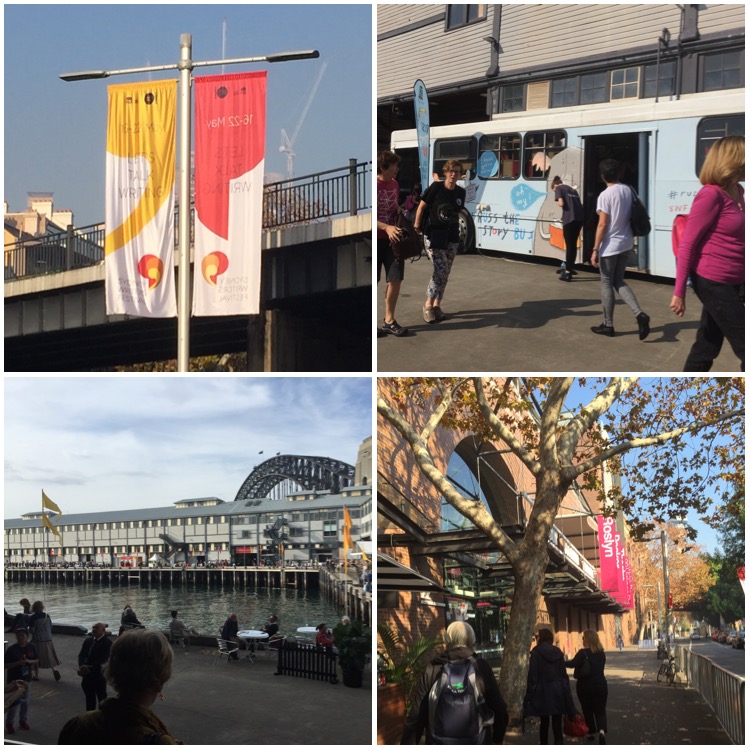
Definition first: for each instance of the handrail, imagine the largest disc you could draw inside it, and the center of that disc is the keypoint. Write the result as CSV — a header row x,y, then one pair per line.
x,y
722,690
303,200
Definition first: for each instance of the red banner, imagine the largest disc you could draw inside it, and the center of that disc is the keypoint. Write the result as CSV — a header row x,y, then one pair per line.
x,y
609,556
230,135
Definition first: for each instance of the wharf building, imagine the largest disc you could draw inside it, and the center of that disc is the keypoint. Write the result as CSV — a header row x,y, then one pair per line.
x,y
435,567
268,523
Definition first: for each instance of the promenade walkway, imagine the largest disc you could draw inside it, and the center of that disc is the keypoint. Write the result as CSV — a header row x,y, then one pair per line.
x,y
235,704
510,315
641,711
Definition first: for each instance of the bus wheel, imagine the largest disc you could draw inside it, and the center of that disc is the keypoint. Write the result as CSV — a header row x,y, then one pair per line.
x,y
466,233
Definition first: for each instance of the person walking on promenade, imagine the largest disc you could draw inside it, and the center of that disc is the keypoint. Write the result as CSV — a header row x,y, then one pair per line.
x,y
20,659
572,220
91,659
591,684
389,195
712,254
613,242
40,626
548,687
440,204
459,648
620,643
230,630
139,666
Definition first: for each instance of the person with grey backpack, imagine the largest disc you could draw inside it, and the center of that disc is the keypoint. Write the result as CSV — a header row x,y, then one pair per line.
x,y
457,700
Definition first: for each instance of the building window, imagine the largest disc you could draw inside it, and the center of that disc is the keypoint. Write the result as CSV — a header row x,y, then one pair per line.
x,y
625,83
667,74
723,70
330,529
564,92
499,157
594,88
461,15
539,148
710,129
513,98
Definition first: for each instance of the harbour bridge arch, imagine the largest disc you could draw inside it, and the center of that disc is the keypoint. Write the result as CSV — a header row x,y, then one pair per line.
x,y
309,472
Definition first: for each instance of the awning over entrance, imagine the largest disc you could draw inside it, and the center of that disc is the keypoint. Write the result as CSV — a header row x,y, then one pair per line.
x,y
393,576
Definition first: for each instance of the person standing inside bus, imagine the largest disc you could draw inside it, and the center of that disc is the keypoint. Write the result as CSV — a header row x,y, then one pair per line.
x,y
442,202
613,242
712,254
388,208
572,220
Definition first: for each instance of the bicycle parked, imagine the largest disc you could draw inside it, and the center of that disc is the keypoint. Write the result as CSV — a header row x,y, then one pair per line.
x,y
667,670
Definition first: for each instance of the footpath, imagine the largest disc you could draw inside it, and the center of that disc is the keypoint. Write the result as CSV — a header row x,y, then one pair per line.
x,y
209,702
642,711
510,315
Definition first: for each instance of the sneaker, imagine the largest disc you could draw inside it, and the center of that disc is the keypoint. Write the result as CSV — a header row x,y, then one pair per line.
x,y
566,276
395,329
428,313
602,738
24,725
439,314
643,325
603,330
57,675
9,729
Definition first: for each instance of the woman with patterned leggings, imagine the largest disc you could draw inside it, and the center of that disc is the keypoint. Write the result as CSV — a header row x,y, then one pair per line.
x,y
442,201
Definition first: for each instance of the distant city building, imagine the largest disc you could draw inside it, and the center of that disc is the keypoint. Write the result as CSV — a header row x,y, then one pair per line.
x,y
38,219
304,527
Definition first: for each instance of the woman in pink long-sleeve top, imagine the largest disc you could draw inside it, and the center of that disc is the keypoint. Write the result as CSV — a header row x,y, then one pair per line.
x,y
712,254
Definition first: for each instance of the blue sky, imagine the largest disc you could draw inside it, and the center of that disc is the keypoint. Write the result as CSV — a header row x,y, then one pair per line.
x,y
55,132
139,442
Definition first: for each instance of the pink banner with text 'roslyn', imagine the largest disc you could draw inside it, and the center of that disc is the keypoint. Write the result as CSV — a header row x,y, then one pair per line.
x,y
610,557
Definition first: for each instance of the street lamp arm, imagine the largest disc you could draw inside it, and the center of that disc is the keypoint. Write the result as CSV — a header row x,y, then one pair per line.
x,y
276,57
87,75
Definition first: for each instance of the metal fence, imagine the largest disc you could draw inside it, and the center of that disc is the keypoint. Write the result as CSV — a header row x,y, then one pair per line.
x,y
722,690
344,191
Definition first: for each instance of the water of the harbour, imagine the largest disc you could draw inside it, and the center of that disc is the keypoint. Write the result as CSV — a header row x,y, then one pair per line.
x,y
204,609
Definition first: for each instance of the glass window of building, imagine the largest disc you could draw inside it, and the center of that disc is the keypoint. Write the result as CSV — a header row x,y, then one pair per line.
x,y
667,77
513,98
625,83
461,15
594,88
563,92
723,70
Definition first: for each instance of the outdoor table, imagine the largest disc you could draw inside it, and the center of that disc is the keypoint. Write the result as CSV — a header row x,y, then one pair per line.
x,y
251,636
308,632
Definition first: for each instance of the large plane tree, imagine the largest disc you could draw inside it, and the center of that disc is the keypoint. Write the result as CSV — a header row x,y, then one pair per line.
x,y
678,445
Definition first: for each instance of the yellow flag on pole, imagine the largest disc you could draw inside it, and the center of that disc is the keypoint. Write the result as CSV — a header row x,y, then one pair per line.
x,y
47,503
347,535
46,522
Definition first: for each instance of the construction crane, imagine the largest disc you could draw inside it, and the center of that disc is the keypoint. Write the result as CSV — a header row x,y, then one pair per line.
x,y
287,143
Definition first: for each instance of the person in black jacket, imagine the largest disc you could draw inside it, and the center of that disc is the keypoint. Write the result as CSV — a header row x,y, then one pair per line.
x,y
459,642
93,656
592,687
548,688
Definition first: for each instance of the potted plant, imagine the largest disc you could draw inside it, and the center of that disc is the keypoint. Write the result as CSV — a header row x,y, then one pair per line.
x,y
402,666
354,642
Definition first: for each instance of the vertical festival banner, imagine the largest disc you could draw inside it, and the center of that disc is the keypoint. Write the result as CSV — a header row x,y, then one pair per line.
x,y
422,118
139,216
230,134
609,556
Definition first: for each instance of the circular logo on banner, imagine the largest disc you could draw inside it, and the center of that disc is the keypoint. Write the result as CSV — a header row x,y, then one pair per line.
x,y
149,98
221,92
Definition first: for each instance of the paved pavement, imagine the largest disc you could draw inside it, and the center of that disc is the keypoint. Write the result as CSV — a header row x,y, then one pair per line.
x,y
510,315
238,703
641,711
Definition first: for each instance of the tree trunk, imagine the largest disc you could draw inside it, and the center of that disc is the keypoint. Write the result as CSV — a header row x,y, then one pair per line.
x,y
529,580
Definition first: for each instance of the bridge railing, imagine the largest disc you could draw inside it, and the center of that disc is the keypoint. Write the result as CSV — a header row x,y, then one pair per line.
x,y
343,191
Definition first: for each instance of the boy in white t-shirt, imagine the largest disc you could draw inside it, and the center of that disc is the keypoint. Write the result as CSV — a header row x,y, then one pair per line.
x,y
614,239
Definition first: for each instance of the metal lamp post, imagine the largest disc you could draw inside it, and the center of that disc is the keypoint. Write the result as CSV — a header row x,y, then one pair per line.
x,y
186,66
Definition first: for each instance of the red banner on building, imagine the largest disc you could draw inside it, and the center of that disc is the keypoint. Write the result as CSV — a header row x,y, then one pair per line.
x,y
230,136
610,557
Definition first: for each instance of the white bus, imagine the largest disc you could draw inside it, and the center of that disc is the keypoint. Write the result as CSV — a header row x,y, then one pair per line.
x,y
510,161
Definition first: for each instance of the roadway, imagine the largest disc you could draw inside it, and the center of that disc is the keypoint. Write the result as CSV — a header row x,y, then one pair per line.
x,y
724,656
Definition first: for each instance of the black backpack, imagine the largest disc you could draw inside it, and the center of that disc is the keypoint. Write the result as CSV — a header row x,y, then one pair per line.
x,y
458,714
640,224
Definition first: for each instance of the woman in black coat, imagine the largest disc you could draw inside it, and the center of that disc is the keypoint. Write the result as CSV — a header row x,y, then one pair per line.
x,y
548,688
459,641
591,684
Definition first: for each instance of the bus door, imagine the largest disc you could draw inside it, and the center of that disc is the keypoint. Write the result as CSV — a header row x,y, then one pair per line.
x,y
631,150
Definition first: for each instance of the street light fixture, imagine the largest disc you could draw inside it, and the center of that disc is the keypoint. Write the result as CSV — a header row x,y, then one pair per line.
x,y
185,66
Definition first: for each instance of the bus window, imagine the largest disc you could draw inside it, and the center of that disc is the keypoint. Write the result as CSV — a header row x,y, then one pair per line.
x,y
538,150
710,129
460,149
499,157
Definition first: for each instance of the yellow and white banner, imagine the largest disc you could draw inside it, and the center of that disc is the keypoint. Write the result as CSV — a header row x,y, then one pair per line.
x,y
139,241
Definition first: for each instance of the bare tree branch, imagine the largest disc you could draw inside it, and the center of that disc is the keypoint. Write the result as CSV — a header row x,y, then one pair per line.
x,y
439,412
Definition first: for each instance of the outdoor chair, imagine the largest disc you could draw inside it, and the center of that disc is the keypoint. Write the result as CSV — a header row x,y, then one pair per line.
x,y
226,648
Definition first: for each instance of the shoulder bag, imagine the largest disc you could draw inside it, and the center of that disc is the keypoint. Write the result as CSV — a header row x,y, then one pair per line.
x,y
640,224
410,244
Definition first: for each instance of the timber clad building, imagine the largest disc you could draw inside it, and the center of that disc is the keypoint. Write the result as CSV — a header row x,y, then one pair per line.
x,y
453,571
481,61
